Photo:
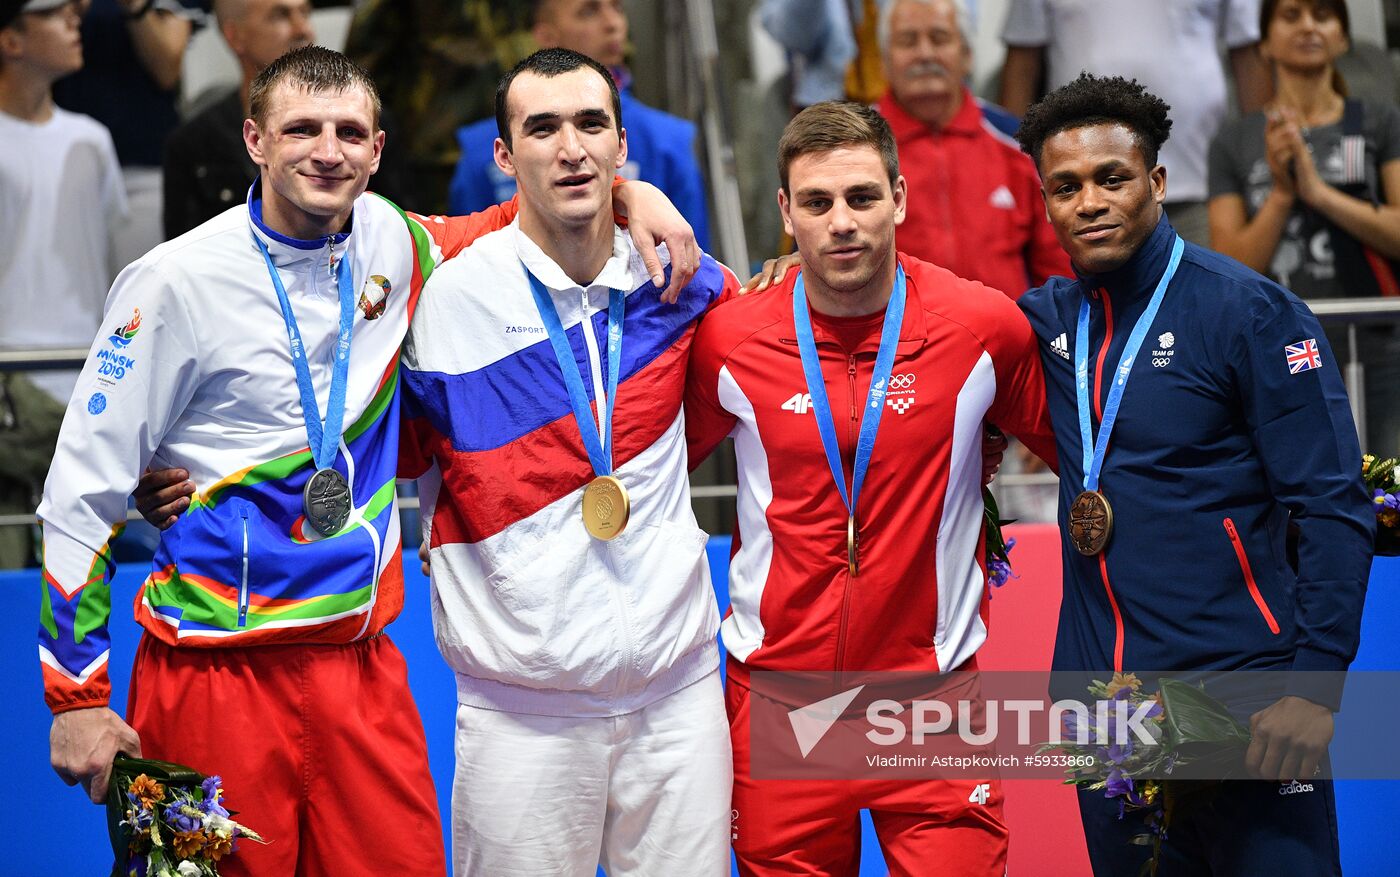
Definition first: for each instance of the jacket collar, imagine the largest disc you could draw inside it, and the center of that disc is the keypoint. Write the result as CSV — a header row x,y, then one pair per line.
x,y
967,120
1139,275
616,274
912,334
282,248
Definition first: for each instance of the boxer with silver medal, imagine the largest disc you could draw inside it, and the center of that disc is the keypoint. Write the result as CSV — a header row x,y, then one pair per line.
x,y
326,499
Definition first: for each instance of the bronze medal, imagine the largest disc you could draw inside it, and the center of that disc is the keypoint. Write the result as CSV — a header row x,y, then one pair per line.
x,y
852,546
1090,522
606,507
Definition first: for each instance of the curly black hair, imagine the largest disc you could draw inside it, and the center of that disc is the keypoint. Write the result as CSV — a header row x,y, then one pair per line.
x,y
1098,100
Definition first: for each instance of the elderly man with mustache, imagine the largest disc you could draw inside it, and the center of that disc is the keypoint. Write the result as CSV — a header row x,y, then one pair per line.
x,y
974,198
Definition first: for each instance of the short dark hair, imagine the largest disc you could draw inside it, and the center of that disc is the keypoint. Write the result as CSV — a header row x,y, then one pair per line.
x,y
1098,100
833,124
1268,8
550,63
313,69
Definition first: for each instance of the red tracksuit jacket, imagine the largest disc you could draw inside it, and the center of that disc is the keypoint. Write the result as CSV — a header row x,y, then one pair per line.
x,y
966,354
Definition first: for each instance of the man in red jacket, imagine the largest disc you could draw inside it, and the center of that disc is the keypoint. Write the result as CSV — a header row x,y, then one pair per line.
x,y
974,198
855,561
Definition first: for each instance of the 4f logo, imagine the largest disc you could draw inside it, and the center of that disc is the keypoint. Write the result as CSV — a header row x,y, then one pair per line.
x,y
980,794
800,403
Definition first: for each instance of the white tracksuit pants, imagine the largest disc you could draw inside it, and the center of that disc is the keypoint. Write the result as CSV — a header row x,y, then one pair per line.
x,y
645,793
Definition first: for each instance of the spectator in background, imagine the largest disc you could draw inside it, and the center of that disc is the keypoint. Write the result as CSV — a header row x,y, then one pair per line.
x,y
60,195
660,147
975,206
1308,190
832,45
1169,47
134,52
436,63
207,168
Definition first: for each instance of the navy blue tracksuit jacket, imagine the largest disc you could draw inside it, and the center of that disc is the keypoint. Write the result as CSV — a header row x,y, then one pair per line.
x,y
1220,440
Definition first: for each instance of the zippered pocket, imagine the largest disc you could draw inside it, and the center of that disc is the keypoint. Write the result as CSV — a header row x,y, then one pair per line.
x,y
243,581
1249,577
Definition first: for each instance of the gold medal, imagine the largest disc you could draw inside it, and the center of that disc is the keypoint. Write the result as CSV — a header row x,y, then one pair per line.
x,y
606,507
1090,522
852,546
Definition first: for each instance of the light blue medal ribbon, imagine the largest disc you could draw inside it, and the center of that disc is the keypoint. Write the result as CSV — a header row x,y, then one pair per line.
x,y
875,399
606,513
1091,514
327,499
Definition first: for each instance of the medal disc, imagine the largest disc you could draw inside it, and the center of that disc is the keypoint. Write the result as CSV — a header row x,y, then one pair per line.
x,y
852,546
606,507
1090,522
326,501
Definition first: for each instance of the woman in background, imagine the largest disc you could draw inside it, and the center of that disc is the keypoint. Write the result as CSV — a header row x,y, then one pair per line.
x,y
1308,191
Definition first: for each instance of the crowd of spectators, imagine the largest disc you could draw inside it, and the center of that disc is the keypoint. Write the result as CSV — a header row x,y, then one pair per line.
x,y
1302,180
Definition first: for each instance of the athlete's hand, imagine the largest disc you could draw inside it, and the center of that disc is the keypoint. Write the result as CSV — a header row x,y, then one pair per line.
x,y
994,445
82,744
773,272
652,219
1290,739
423,557
162,495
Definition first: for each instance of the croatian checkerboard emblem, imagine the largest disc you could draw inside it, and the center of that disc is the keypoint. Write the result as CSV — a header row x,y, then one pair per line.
x,y
901,393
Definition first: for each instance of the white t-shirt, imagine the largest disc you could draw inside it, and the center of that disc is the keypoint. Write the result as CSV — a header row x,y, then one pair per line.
x,y
1170,46
60,194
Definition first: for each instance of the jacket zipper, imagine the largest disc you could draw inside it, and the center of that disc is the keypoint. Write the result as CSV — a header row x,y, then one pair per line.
x,y
851,427
1103,556
243,582
1249,582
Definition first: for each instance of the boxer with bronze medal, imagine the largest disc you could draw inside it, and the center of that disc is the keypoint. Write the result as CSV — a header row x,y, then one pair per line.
x,y
326,499
874,402
606,505
1091,515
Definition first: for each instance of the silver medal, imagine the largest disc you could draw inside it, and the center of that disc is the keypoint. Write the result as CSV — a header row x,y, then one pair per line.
x,y
326,501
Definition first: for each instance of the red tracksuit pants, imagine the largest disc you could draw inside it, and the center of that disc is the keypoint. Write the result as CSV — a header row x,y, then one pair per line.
x,y
320,748
812,827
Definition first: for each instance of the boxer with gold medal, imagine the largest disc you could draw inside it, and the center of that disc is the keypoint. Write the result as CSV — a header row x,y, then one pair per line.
x,y
1091,515
606,506
874,402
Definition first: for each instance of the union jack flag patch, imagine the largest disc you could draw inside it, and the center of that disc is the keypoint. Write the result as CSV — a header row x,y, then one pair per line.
x,y
1302,356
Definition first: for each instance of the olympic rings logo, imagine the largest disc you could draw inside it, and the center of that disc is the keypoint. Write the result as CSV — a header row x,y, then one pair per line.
x,y
1160,361
901,382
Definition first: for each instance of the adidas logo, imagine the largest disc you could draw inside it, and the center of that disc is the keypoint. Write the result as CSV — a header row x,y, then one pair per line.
x,y
1003,198
1061,345
1294,788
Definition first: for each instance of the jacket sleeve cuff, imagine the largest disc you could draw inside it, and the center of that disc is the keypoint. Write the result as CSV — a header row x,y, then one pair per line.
x,y
1319,677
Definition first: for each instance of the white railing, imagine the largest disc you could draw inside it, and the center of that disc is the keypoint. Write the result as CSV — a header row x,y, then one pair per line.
x,y
1343,310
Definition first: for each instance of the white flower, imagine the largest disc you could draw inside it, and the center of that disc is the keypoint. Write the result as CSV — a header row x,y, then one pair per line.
x,y
188,869
218,825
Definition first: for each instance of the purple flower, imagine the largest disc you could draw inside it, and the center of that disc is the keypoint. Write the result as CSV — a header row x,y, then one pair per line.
x,y
213,794
1386,500
998,570
177,819
1118,784
1119,753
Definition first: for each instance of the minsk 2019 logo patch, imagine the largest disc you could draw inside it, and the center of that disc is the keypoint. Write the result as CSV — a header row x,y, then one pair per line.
x,y
374,296
122,335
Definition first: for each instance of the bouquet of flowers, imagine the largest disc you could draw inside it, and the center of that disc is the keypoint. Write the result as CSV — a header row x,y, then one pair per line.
x,y
998,546
1187,725
168,820
1382,478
